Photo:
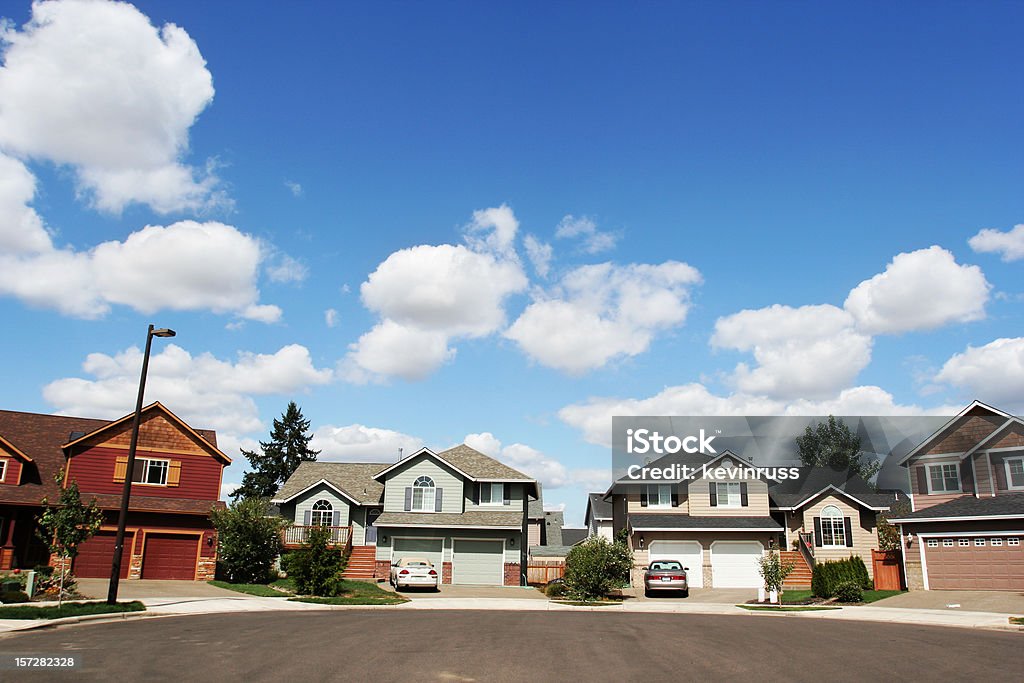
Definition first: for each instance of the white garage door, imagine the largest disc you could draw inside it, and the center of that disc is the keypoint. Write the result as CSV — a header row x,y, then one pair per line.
x,y
689,553
480,563
429,548
734,564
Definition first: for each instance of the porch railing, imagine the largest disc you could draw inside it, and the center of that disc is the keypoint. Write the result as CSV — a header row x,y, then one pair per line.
x,y
806,546
297,535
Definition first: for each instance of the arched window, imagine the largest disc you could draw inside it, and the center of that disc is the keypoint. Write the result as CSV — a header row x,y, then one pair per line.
x,y
833,527
323,513
423,495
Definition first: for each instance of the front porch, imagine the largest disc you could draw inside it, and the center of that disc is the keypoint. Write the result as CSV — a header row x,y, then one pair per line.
x,y
295,535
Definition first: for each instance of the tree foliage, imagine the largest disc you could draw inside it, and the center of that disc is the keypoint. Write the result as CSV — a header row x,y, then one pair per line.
x,y
279,457
833,444
774,571
888,533
67,525
316,567
595,567
248,541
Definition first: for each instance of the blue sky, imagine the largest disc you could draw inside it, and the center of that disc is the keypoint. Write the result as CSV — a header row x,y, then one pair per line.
x,y
741,168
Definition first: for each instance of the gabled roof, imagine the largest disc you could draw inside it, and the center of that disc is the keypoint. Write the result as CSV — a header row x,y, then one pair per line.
x,y
207,444
468,462
959,416
13,450
597,508
968,507
353,480
791,494
996,432
470,519
553,521
571,537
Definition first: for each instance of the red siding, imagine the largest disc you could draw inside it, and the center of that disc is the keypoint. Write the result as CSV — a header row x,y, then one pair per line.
x,y
200,474
12,473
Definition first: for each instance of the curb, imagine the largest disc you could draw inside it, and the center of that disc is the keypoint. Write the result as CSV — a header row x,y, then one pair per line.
x,y
33,625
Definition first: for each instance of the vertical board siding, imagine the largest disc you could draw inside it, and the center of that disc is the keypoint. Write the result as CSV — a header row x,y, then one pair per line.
x,y
200,474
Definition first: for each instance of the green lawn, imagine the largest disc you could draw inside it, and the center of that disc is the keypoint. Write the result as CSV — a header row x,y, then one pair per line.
x,y
257,589
68,609
798,596
1017,620
785,608
358,593
284,584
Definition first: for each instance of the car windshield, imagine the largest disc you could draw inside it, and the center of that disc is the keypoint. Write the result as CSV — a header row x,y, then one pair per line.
x,y
416,563
666,566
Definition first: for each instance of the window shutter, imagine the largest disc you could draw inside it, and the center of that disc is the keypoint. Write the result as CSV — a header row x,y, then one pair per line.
x,y
675,498
506,494
714,494
744,500
408,498
999,466
643,496
922,480
120,468
966,476
307,518
173,472
817,532
438,498
849,531
476,493
336,518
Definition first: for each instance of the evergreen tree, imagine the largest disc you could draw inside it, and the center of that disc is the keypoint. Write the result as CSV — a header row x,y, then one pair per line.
x,y
833,444
279,457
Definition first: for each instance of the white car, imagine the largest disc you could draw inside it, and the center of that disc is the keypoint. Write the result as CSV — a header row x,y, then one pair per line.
x,y
414,571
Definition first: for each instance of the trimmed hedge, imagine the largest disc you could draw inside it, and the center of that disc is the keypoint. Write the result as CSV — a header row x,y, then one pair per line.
x,y
827,576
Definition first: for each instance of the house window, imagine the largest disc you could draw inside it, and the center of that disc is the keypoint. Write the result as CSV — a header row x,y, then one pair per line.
x,y
947,543
833,528
148,471
1015,473
423,495
1013,541
660,496
492,493
943,478
933,543
997,541
323,513
980,542
3,469
729,494
965,541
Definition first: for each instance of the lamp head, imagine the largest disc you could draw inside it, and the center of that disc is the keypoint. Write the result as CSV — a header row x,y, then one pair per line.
x,y
163,332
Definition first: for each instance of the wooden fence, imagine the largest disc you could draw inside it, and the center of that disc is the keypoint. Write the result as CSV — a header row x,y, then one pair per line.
x,y
887,565
542,572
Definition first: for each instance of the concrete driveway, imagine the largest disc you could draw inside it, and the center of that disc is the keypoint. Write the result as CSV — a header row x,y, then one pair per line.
x,y
145,589
506,592
1003,602
731,596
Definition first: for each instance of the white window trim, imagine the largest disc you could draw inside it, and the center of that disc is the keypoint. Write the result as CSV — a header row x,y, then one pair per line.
x,y
427,500
928,476
1009,476
4,469
1013,541
658,488
933,542
728,496
490,489
979,543
145,471
313,512
832,519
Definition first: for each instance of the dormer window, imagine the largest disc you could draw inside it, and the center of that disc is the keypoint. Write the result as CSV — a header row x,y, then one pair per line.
x,y
423,495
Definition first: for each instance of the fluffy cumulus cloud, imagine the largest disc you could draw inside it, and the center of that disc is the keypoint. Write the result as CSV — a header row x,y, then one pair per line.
x,y
203,390
428,295
600,312
551,473
540,255
359,443
183,266
1009,245
584,229
95,86
21,228
892,301
811,351
993,373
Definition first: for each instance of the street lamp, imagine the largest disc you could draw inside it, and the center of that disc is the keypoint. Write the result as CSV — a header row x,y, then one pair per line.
x,y
126,490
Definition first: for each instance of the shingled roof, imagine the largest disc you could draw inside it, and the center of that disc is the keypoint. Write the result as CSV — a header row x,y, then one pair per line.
x,y
354,479
1009,506
480,519
480,466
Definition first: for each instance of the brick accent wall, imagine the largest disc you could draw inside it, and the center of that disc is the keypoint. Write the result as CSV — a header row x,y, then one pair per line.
x,y
511,574
382,570
135,567
915,576
446,572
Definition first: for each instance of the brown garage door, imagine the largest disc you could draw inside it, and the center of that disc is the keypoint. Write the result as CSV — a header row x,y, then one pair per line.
x,y
975,563
168,556
96,555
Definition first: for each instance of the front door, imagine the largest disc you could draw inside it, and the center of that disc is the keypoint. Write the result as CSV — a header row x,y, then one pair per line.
x,y
371,530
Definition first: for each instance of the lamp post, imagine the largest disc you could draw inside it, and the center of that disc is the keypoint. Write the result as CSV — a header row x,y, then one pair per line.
x,y
126,490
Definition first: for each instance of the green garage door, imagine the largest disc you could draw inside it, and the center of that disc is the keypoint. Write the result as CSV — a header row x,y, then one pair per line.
x,y
480,563
430,548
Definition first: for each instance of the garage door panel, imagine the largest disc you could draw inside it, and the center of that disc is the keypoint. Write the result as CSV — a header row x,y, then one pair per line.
x,y
170,556
480,563
973,566
688,553
734,564
429,548
96,556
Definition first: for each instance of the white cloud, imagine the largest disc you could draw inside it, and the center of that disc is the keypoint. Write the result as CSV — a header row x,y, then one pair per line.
x,y
499,225
549,471
359,443
603,311
96,86
293,187
1009,244
919,290
993,373
183,266
592,240
391,349
331,317
287,269
21,228
540,254
203,390
811,351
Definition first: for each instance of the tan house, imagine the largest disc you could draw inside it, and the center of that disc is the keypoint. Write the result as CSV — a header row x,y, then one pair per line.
x,y
967,497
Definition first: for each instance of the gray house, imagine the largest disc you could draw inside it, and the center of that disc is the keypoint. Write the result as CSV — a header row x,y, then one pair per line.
x,y
465,511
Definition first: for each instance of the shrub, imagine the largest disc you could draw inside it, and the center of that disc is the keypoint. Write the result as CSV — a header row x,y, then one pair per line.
x,y
773,571
595,567
827,576
849,591
248,541
8,597
315,567
555,589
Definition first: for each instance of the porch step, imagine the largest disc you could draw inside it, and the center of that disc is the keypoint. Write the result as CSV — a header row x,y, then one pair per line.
x,y
800,577
362,562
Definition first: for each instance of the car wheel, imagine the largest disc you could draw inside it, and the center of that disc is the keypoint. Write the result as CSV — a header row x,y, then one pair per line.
x,y
686,593
647,593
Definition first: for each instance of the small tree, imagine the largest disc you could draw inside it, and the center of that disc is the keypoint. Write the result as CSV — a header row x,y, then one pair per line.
x,y
66,526
889,534
774,572
248,540
595,567
316,567
279,457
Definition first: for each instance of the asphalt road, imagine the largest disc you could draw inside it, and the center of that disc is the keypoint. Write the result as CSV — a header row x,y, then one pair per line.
x,y
383,646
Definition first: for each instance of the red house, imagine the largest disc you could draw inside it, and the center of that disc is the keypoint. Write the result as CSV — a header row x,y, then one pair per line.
x,y
176,482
